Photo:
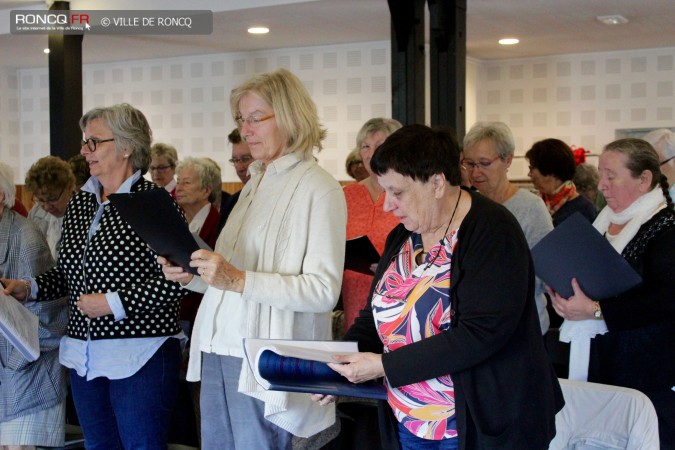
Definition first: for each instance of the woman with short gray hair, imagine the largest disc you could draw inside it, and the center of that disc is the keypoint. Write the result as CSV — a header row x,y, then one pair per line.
x,y
488,154
123,342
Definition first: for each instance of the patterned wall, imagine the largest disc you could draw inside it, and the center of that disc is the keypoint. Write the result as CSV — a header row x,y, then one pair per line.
x,y
582,99
186,100
9,120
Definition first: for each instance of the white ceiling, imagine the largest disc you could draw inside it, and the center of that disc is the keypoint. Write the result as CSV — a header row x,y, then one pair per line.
x,y
544,27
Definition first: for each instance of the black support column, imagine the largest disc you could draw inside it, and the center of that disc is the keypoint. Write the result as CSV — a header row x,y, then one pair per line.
x,y
407,60
447,45
65,90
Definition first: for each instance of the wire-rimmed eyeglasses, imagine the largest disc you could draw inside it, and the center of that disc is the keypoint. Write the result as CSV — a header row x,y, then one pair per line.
x,y
91,143
470,165
252,121
243,160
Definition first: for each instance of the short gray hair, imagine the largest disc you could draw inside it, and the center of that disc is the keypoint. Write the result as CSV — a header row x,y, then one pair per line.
x,y
208,173
663,141
7,186
387,126
130,129
496,132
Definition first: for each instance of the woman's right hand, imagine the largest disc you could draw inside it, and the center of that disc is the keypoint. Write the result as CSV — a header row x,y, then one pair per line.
x,y
16,288
173,272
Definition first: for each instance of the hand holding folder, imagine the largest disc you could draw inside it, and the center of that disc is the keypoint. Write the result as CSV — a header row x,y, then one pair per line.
x,y
300,366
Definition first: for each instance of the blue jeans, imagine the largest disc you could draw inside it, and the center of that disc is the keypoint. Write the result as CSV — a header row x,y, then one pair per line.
x,y
131,413
409,441
232,420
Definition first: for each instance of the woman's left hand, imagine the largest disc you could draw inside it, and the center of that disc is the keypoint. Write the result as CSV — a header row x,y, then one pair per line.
x,y
94,305
358,367
577,307
217,272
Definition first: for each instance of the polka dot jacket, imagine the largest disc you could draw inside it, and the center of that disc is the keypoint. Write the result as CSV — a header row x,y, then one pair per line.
x,y
115,260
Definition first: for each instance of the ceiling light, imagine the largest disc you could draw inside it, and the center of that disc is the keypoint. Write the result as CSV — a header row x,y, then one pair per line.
x,y
46,50
612,20
508,41
258,30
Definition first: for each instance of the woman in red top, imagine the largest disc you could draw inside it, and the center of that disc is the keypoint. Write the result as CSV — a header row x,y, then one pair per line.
x,y
365,216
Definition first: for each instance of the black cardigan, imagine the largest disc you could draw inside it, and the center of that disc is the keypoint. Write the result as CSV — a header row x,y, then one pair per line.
x,y
115,260
506,392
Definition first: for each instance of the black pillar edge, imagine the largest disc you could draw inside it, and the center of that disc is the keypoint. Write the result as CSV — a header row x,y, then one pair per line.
x,y
447,58
407,60
65,90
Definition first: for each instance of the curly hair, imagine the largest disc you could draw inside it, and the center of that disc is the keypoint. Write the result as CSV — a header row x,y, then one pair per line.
x,y
49,175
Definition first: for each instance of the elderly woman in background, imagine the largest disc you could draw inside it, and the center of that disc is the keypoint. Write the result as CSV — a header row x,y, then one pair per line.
x,y
663,141
586,179
80,168
488,154
354,166
198,181
551,171
634,332
451,323
365,216
122,347
275,272
163,166
32,394
52,183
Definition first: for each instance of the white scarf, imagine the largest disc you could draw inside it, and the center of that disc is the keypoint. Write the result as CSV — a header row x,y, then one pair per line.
x,y
580,332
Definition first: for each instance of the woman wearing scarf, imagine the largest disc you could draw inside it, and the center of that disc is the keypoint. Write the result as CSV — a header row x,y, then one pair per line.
x,y
632,333
552,168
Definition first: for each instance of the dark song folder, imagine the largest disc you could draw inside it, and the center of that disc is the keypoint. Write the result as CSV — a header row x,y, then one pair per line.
x,y
575,249
360,254
154,217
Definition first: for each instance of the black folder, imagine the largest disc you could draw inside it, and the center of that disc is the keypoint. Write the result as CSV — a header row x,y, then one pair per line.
x,y
360,254
575,249
154,217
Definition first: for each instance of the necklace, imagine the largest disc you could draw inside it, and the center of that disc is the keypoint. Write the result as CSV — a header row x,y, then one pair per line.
x,y
452,217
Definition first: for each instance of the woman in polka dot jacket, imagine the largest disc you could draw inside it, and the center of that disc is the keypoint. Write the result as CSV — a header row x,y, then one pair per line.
x,y
123,342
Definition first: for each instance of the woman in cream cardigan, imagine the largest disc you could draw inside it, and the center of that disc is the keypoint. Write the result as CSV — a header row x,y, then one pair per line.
x,y
275,272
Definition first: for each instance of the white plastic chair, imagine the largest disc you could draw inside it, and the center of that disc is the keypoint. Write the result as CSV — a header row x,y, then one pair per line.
x,y
599,416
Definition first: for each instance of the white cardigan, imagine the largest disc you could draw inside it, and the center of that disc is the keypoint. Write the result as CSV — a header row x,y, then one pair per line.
x,y
293,289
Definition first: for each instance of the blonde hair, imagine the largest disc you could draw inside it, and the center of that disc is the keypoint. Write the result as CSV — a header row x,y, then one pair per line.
x,y
294,110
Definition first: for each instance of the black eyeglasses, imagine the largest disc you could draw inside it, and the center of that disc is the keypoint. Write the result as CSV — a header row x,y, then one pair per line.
x,y
666,161
51,200
243,160
91,143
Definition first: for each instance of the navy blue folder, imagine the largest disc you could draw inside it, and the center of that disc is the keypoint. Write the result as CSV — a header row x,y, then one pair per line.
x,y
575,249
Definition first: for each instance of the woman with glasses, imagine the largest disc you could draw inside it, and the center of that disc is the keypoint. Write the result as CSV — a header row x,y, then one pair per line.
x,y
52,183
451,322
365,216
123,343
32,393
163,166
552,168
488,154
275,272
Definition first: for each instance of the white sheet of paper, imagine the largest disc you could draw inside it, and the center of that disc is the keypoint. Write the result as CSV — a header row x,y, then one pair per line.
x,y
19,326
